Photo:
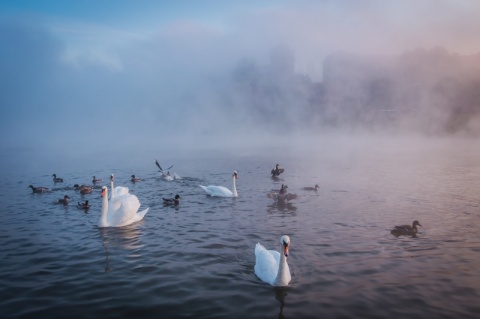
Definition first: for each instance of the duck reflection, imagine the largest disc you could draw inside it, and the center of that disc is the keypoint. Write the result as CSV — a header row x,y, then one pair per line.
x,y
284,208
126,238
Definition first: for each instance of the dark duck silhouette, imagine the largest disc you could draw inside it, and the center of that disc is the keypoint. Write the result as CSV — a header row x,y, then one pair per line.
x,y
135,179
406,230
282,195
84,189
57,179
85,205
39,190
172,201
96,180
277,171
312,188
64,200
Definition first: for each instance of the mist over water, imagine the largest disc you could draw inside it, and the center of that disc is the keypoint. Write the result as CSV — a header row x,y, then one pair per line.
x,y
69,87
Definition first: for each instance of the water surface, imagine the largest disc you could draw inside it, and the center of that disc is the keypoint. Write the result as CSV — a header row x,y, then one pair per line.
x,y
197,260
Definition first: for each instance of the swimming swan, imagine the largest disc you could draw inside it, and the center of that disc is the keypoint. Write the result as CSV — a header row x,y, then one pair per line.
x,y
221,191
120,211
272,267
117,191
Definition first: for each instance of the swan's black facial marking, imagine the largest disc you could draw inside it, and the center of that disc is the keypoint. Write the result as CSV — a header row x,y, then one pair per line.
x,y
285,241
285,249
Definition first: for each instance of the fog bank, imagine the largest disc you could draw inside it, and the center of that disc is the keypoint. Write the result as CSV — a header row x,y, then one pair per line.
x,y
253,77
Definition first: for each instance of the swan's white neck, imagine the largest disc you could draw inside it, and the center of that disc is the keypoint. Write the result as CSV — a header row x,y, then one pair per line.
x,y
103,218
111,187
235,194
281,279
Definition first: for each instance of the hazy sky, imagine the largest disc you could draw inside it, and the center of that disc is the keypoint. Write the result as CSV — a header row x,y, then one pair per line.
x,y
88,77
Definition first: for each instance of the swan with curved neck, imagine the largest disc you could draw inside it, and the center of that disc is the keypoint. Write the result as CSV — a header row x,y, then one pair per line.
x,y
222,191
117,191
271,266
120,211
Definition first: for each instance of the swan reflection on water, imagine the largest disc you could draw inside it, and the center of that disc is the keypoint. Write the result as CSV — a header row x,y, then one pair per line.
x,y
126,238
280,294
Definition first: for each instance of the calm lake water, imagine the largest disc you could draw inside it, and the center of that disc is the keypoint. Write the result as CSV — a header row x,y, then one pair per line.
x,y
197,260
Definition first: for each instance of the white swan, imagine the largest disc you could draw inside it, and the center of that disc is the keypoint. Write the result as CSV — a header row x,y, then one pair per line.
x,y
120,210
117,191
221,191
272,267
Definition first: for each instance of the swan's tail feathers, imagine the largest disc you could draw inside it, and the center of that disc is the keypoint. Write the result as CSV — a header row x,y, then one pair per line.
x,y
141,214
204,188
259,248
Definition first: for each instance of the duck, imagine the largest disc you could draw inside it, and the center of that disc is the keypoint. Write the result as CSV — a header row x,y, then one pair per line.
x,y
39,189
282,195
277,171
271,266
120,210
57,179
96,180
84,189
135,179
172,201
85,205
315,188
64,200
221,191
406,230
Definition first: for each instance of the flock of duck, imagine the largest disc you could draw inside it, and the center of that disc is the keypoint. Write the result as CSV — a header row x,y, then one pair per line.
x,y
122,209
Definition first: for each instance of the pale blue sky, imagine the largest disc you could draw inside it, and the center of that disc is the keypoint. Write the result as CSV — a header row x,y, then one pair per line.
x,y
156,64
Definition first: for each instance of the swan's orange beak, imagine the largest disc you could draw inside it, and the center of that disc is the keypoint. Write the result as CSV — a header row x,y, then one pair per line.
x,y
285,250
102,193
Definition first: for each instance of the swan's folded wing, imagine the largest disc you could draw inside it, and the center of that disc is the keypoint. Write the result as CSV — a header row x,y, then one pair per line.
x,y
139,216
266,264
120,190
124,210
214,190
